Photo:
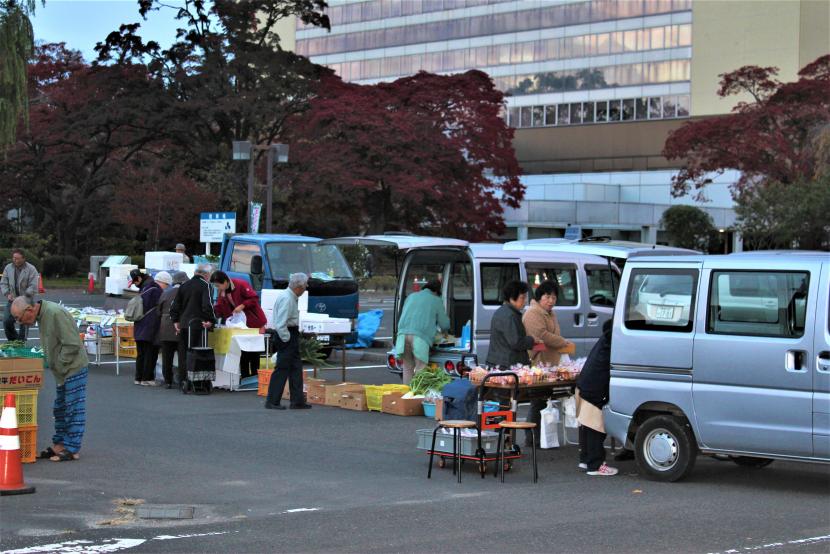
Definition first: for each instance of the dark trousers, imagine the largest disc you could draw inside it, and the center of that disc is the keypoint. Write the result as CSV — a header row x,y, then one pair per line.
x,y
289,368
9,326
534,415
591,447
248,364
168,349
145,362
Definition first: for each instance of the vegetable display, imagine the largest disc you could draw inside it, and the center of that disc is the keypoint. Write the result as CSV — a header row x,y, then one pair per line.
x,y
426,380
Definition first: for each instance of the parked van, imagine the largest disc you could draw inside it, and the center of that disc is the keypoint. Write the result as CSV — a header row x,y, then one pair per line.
x,y
266,261
721,355
473,276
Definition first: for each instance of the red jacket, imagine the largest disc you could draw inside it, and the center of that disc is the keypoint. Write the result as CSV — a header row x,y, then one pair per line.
x,y
238,293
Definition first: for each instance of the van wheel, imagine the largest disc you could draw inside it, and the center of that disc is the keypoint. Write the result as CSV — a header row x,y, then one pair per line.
x,y
749,461
665,448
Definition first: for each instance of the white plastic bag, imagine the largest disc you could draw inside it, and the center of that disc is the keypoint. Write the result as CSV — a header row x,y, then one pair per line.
x,y
549,431
569,407
237,321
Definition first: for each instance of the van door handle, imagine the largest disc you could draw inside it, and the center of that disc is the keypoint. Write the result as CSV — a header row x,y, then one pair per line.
x,y
823,362
577,320
794,361
593,319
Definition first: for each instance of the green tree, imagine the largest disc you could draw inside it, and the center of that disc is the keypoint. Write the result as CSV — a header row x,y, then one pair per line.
x,y
793,215
16,48
689,227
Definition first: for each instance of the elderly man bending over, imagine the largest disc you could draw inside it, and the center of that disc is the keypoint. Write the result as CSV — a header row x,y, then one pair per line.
x,y
67,359
286,334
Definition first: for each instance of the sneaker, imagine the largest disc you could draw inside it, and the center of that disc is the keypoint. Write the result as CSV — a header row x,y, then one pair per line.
x,y
604,470
149,383
583,466
138,382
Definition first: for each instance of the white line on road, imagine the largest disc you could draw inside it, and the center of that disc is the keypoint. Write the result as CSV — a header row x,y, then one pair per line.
x,y
771,545
106,545
295,510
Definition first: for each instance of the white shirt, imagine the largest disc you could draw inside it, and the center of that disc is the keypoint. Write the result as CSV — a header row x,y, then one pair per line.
x,y
286,313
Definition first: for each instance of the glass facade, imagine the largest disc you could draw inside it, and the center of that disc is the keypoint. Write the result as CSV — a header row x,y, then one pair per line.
x,y
598,44
543,17
372,10
601,111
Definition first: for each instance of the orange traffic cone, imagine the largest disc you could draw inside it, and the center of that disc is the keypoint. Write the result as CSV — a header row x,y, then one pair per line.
x,y
11,468
40,289
416,287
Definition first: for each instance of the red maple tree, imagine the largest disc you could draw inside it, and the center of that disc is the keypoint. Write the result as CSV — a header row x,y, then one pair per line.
x,y
774,138
425,153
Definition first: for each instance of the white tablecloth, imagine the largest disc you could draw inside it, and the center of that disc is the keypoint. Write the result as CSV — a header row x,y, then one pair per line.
x,y
227,365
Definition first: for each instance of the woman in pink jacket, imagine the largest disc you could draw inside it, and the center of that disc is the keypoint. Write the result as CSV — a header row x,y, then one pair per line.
x,y
236,295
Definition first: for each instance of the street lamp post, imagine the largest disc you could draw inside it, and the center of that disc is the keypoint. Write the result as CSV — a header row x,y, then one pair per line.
x,y
243,150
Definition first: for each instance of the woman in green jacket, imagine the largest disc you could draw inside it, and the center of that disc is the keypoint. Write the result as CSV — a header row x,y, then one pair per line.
x,y
422,313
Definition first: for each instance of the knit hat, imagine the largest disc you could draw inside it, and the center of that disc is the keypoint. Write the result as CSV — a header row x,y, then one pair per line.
x,y
164,277
179,277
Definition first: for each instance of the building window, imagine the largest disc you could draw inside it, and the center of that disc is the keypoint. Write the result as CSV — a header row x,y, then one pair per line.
x,y
550,115
628,109
655,108
538,116
563,115
602,112
526,116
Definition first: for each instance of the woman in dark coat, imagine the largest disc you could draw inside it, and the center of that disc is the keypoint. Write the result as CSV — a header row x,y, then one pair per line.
x,y
593,385
146,329
236,295
168,339
509,342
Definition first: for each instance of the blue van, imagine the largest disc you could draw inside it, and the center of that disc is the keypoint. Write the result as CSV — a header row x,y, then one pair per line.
x,y
266,261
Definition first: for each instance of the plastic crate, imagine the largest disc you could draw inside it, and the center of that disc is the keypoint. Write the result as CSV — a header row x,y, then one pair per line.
x,y
469,444
26,403
264,376
374,394
125,331
28,443
127,348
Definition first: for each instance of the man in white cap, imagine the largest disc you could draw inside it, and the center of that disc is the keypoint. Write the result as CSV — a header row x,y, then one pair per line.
x,y
180,250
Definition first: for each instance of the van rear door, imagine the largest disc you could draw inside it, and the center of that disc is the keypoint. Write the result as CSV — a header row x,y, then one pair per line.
x,y
821,369
753,353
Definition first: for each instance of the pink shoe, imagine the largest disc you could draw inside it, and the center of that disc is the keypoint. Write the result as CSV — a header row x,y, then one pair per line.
x,y
604,470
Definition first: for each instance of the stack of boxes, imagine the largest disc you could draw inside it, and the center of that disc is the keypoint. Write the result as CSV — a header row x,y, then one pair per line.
x,y
127,348
23,377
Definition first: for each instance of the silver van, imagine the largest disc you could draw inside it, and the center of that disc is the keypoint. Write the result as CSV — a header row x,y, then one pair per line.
x,y
722,355
473,276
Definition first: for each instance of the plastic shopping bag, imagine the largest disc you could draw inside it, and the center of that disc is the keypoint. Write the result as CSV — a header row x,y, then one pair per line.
x,y
237,321
550,427
569,407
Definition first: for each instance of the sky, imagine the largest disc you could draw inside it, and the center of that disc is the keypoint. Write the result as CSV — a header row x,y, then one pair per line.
x,y
83,23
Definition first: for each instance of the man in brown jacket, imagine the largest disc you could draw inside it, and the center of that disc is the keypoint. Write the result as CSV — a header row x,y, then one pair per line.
x,y
541,324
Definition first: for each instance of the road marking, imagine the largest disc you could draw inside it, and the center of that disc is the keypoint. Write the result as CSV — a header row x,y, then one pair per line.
x,y
295,510
106,545
771,545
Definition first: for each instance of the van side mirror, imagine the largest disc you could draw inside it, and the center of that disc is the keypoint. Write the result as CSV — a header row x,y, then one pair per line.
x,y
256,265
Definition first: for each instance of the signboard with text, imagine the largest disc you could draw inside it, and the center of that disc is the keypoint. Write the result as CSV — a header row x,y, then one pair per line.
x,y
214,225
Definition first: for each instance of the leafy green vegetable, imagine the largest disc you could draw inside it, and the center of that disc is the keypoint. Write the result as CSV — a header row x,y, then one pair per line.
x,y
426,380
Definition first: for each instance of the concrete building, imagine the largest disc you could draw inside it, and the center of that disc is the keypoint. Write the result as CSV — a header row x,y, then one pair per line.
x,y
595,87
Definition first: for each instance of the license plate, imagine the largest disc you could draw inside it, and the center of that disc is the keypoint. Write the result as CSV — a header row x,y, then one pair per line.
x,y
663,312
323,338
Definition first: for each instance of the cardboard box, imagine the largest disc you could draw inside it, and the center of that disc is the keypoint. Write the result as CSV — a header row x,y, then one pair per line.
x,y
22,378
20,364
316,393
439,409
393,403
335,391
354,399
286,392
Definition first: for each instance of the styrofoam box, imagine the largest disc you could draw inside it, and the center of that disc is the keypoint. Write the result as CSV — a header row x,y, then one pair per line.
x,y
469,444
114,285
325,325
269,297
163,260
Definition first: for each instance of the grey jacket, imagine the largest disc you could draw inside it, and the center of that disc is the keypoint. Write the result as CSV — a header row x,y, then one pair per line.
x,y
508,341
166,330
27,282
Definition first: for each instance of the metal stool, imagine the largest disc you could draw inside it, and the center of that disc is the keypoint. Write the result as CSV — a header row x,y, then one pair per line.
x,y
512,426
456,425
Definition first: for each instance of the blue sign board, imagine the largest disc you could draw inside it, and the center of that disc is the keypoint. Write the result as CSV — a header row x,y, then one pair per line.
x,y
214,225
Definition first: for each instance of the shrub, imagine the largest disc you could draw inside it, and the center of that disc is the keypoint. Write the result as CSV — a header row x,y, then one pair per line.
x,y
137,260
60,266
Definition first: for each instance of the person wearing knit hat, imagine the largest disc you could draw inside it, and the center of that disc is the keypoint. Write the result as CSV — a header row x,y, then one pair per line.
x,y
180,250
164,277
168,340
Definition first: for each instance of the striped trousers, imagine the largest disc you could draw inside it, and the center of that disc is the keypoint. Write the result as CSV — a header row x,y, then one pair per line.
x,y
70,411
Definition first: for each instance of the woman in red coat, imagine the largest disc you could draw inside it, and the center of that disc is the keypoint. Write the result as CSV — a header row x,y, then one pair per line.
x,y
236,295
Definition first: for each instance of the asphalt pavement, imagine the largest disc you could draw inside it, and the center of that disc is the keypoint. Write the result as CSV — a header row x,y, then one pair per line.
x,y
332,480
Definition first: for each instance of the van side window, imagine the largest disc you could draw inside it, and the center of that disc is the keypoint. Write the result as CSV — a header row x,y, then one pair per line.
x,y
564,275
462,281
661,300
493,279
602,286
241,256
758,303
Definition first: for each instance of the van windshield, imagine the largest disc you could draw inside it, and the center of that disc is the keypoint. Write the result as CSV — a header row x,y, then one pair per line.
x,y
325,262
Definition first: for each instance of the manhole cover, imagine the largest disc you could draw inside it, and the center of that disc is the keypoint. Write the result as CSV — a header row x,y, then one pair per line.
x,y
164,511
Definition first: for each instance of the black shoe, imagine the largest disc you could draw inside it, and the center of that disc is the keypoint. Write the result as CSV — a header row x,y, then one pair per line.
x,y
624,455
269,406
301,407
